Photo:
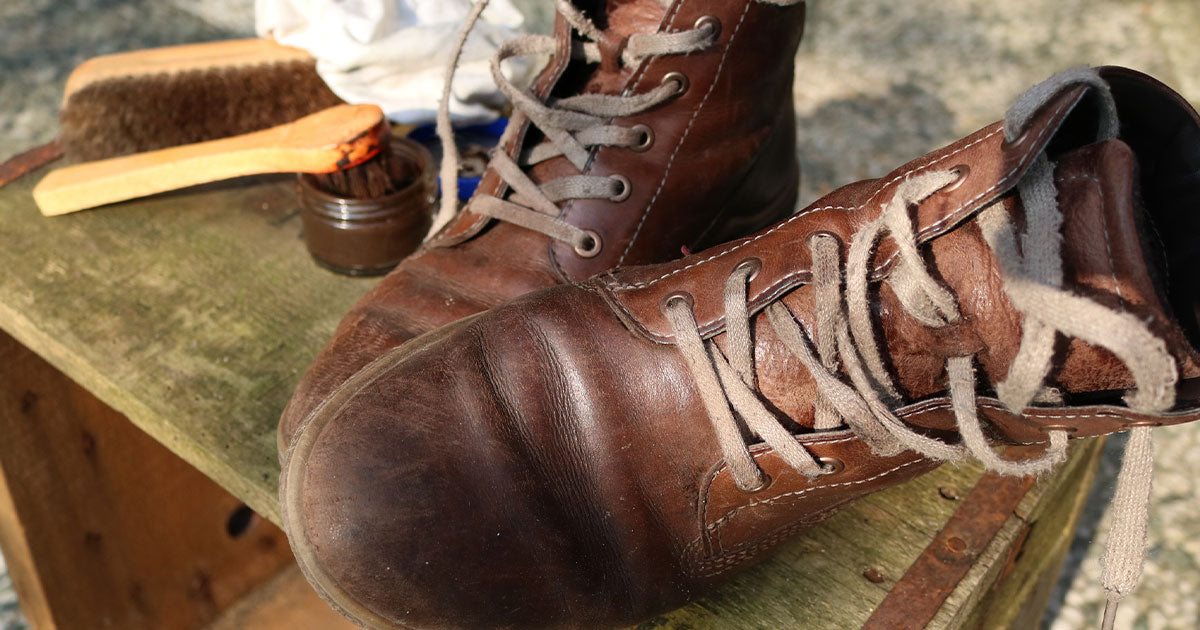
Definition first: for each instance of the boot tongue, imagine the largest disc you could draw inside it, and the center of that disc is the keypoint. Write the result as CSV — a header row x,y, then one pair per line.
x,y
620,19
1113,255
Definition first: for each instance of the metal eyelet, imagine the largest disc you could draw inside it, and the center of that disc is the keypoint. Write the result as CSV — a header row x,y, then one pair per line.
x,y
590,245
961,171
626,188
1145,423
670,298
1047,428
647,137
831,466
1020,139
763,483
754,264
823,234
710,22
679,78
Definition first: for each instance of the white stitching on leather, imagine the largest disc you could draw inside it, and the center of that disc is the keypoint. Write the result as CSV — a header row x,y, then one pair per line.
x,y
634,82
729,516
727,560
646,283
932,227
1036,413
1029,155
642,285
810,439
687,130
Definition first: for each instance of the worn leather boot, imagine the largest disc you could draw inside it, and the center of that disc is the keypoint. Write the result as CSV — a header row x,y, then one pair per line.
x,y
656,126
589,456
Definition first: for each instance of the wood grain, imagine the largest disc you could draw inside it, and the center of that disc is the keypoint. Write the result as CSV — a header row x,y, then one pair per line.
x,y
194,315
168,59
1018,598
114,531
286,602
340,137
822,579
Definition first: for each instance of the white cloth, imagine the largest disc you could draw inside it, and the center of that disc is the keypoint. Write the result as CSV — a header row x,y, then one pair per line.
x,y
393,53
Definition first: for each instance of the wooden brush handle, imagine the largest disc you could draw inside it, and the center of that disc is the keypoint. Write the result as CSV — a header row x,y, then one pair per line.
x,y
335,139
226,54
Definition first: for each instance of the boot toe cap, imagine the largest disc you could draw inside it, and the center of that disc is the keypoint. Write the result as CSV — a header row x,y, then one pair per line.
x,y
410,504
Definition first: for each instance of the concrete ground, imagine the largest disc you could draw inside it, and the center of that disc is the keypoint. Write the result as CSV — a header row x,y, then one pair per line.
x,y
878,83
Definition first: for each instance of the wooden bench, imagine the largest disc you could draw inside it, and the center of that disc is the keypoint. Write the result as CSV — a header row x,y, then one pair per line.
x,y
149,348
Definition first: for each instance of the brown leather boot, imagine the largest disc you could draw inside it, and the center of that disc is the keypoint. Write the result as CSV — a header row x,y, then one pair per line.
x,y
681,135
589,456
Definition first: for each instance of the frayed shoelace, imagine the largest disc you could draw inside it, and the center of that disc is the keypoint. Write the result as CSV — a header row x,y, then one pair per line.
x,y
573,125
1032,276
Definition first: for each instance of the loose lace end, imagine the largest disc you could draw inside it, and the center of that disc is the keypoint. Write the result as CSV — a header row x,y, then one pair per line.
x,y
1110,615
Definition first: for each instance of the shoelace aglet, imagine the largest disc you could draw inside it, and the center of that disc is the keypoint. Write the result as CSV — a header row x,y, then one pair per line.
x,y
1110,615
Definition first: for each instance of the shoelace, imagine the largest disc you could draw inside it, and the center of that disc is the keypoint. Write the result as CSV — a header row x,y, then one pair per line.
x,y
1032,276
573,126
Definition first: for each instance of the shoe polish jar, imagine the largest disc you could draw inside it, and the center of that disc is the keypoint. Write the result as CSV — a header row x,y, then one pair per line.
x,y
361,237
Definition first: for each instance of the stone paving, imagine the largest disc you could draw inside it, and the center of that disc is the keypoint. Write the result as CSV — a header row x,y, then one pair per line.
x,y
879,82
10,611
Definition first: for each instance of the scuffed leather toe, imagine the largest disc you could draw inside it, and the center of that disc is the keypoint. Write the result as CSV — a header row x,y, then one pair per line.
x,y
418,496
416,297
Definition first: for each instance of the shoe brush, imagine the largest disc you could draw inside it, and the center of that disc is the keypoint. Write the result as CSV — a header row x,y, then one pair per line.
x,y
144,100
345,145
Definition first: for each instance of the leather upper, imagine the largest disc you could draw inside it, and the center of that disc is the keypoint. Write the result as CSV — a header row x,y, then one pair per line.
x,y
549,464
722,164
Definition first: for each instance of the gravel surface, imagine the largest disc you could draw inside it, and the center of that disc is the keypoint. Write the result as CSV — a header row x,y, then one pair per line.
x,y
879,82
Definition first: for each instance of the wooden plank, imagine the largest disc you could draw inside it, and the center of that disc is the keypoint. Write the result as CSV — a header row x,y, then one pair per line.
x,y
1018,599
192,313
828,577
286,602
919,595
105,528
14,546
967,606
317,143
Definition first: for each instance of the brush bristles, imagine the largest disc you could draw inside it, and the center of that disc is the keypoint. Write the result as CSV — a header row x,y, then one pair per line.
x,y
383,174
143,113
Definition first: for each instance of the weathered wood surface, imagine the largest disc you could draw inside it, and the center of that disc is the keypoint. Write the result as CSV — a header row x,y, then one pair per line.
x,y
1045,530
195,313
191,313
818,581
316,143
286,602
102,526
